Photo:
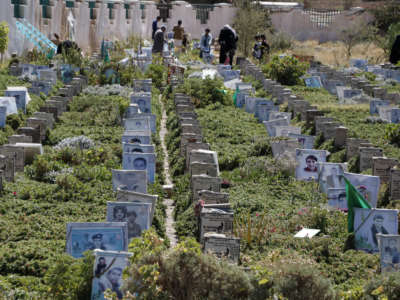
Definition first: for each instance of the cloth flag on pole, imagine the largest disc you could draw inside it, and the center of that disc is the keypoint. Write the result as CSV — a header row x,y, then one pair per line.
x,y
354,199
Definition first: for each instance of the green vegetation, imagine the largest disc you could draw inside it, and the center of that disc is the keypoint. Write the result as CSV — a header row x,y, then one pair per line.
x,y
286,70
4,30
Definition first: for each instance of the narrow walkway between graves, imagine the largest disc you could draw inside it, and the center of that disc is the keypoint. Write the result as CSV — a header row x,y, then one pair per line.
x,y
169,223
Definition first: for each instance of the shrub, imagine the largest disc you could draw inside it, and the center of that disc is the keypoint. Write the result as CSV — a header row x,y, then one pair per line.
x,y
156,73
392,134
286,70
385,286
280,41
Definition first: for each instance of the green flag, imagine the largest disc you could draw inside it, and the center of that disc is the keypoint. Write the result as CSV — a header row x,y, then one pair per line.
x,y
354,199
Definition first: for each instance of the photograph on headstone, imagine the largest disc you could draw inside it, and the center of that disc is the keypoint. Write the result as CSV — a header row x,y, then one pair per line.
x,y
136,214
89,236
107,272
137,137
313,81
330,175
131,180
271,125
137,124
370,222
337,198
305,141
216,220
139,148
273,115
307,160
143,100
366,185
389,250
130,196
222,246
140,161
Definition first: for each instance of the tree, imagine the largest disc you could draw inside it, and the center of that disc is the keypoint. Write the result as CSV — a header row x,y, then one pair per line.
x,y
354,35
4,29
250,19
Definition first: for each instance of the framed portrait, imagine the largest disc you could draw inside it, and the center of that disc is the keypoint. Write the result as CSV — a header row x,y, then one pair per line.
x,y
368,223
89,236
330,175
107,272
131,180
137,124
141,115
143,100
140,161
129,196
389,250
136,214
307,160
137,137
306,141
367,185
139,148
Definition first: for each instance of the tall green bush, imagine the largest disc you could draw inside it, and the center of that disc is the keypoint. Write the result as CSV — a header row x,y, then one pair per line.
x,y
4,30
286,70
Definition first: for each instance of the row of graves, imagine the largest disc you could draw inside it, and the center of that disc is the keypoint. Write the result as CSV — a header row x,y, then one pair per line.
x,y
212,207
27,143
375,229
133,210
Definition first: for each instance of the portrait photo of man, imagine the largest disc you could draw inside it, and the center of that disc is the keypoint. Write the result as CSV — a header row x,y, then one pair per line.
x,y
119,214
377,227
97,242
134,229
311,161
112,281
140,163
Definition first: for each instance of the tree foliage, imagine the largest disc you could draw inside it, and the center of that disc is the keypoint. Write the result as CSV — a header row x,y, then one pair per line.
x,y
4,30
386,14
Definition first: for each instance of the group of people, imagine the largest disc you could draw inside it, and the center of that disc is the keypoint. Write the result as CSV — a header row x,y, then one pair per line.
x,y
180,37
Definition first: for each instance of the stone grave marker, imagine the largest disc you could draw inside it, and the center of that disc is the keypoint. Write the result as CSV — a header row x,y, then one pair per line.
x,y
389,249
131,180
189,138
340,136
389,114
13,139
366,185
381,167
38,123
273,115
130,196
199,168
45,116
137,124
204,156
279,147
251,103
352,145
210,197
143,115
270,125
15,152
313,81
285,130
131,111
194,146
129,148
311,114
366,155
51,110
328,129
348,93
137,137
319,120
7,164
30,151
307,160
216,220
394,183
263,110
305,141
3,116
20,93
191,129
140,161
10,103
204,182
222,246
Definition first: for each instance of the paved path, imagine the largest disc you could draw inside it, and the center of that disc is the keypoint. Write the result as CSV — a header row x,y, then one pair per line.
x,y
169,222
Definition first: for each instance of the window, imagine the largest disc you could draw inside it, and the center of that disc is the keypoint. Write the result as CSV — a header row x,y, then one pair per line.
x,y
19,10
127,10
110,7
93,14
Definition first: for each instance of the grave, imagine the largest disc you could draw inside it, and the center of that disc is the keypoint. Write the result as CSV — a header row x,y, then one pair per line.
x,y
143,100
389,114
389,249
394,183
20,93
129,148
305,141
137,137
10,104
210,197
30,151
131,180
273,115
15,152
13,139
284,131
330,176
216,220
279,147
252,102
270,125
7,165
204,182
204,156
140,161
307,160
3,116
367,185
199,168
352,146
130,196
381,167
31,131
222,246
366,155
137,124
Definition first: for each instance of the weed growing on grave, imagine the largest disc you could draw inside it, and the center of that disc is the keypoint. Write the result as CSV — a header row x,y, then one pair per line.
x,y
286,70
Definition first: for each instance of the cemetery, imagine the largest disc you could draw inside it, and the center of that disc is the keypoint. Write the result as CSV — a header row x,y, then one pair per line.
x,y
132,173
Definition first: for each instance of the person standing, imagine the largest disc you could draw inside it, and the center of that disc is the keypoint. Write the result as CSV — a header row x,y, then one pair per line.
x,y
159,40
227,40
395,51
155,26
205,44
179,31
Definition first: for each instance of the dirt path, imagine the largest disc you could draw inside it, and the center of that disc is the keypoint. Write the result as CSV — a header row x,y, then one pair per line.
x,y
169,222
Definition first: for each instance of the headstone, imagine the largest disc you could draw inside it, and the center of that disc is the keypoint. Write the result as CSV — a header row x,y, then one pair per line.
x,y
7,165
31,131
313,81
194,146
204,182
191,129
273,115
51,110
352,146
131,180
10,104
270,125
132,110
210,197
348,93
130,196
38,123
366,185
337,198
3,116
389,114
152,119
15,152
137,137
46,116
129,148
305,141
320,120
330,176
140,161
216,220
340,136
89,236
204,156
252,102
279,147
222,246
366,155
136,214
189,138
381,167
394,184
311,114
263,110
143,100
199,168
13,139
389,249
107,272
20,93
137,124
286,130
307,160
370,222
30,151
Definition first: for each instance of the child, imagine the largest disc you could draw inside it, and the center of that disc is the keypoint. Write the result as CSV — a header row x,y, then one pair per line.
x,y
257,47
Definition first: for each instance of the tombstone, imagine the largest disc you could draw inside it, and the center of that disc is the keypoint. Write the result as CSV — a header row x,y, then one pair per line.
x,y
143,100
20,93
199,168
131,180
10,104
216,220
366,155
38,123
45,116
60,105
279,147
270,125
311,114
242,90
307,160
189,121
13,139
305,141
340,136
204,156
313,81
190,129
251,103
352,146
370,222
367,185
7,165
137,124
263,110
394,183
379,93
389,114
337,198
31,131
39,87
321,120
285,130
142,85
210,197
13,151
222,246
139,148
389,250
108,268
189,138
204,182
30,151
3,116
89,236
273,115
137,137
194,146
143,115
131,111
344,93
140,161
130,196
230,74
331,86
381,167
51,110
330,176
136,214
